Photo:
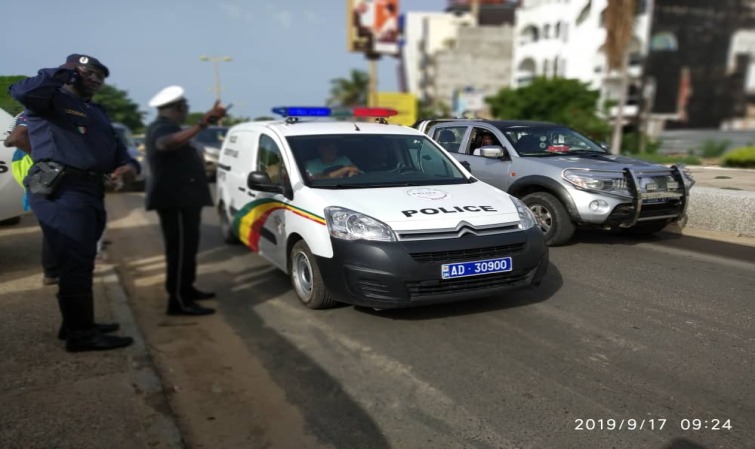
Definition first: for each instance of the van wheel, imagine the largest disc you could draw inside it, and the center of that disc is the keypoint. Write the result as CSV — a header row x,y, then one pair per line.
x,y
552,217
226,229
306,278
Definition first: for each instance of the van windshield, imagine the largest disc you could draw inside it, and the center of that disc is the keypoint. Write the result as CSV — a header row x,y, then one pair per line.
x,y
372,160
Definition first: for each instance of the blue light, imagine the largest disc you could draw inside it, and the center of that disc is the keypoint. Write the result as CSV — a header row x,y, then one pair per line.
x,y
294,111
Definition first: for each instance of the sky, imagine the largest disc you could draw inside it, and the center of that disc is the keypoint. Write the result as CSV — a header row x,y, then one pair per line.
x,y
284,52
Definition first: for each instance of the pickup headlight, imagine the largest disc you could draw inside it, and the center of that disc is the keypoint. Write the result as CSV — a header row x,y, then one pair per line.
x,y
350,225
604,181
526,217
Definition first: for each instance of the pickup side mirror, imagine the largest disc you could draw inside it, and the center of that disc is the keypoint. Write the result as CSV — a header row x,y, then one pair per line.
x,y
259,180
492,151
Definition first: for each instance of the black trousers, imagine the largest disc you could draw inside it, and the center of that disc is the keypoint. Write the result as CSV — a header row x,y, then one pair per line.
x,y
181,236
49,263
72,220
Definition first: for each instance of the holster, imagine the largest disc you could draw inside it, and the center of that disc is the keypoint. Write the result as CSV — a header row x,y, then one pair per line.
x,y
44,178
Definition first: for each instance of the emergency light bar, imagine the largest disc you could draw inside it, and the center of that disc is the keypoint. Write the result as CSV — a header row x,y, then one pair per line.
x,y
317,111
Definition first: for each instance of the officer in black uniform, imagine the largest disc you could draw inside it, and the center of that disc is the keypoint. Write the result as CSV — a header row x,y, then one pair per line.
x,y
74,147
177,189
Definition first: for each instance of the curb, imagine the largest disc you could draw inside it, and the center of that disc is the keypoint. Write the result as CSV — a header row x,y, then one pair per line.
x,y
158,418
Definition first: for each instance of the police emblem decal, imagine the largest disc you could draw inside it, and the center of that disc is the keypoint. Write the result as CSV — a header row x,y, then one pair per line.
x,y
83,60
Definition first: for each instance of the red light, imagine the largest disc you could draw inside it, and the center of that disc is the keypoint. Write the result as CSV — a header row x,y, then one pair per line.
x,y
374,112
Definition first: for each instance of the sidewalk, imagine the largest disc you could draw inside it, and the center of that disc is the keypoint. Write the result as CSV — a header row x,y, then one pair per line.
x,y
51,398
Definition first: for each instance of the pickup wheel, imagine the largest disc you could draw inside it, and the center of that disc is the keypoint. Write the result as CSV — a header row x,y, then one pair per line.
x,y
226,229
306,278
552,217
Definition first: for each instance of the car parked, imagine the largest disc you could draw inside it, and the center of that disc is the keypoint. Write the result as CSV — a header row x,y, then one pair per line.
x,y
125,135
371,214
208,142
566,179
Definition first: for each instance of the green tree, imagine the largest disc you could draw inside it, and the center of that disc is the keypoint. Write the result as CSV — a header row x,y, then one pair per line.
x,y
428,109
7,102
352,91
120,107
557,100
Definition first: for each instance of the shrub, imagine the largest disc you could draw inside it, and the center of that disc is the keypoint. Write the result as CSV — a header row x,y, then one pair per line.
x,y
630,144
741,157
711,149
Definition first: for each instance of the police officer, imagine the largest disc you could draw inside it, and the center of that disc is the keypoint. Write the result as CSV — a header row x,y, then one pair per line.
x,y
177,189
73,147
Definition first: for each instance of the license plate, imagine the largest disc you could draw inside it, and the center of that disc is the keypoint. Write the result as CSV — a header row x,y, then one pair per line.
x,y
464,269
654,200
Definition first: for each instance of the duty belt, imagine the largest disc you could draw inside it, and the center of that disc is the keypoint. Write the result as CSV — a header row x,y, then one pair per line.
x,y
68,170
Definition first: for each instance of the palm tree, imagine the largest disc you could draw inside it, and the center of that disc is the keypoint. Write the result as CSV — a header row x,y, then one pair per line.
x,y
352,91
619,23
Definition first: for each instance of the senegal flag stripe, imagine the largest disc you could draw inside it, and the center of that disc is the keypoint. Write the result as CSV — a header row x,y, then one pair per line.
x,y
250,220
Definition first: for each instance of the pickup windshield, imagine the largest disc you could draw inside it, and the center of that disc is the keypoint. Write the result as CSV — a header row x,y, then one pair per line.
x,y
540,141
372,160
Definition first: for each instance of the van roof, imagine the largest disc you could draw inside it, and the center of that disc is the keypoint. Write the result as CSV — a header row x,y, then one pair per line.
x,y
324,127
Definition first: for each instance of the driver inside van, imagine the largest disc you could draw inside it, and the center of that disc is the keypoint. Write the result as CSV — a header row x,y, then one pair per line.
x,y
330,164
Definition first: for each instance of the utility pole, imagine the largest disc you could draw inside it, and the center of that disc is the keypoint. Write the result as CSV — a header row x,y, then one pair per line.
x,y
373,59
216,60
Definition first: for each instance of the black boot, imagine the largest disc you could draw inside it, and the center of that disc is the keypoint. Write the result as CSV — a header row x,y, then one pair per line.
x,y
103,328
78,316
196,295
176,307
80,341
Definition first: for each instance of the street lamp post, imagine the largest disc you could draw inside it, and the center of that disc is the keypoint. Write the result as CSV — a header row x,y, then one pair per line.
x,y
216,60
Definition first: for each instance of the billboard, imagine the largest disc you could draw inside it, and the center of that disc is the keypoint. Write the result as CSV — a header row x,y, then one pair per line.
x,y
373,26
404,103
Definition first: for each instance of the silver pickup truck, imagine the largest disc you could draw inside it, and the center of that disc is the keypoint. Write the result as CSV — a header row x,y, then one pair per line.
x,y
566,179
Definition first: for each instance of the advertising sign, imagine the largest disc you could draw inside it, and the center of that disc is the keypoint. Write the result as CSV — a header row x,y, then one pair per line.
x,y
373,26
405,104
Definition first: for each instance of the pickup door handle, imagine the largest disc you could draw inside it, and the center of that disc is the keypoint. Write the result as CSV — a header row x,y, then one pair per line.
x,y
466,165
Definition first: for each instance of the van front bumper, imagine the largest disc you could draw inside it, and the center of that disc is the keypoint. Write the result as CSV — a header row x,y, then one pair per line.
x,y
408,273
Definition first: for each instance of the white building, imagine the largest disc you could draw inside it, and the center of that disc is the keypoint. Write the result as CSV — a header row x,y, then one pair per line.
x,y
426,33
565,38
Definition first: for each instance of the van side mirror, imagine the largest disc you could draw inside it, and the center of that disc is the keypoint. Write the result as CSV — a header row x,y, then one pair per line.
x,y
259,180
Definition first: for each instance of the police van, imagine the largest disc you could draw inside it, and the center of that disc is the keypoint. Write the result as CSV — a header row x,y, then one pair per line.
x,y
11,194
371,213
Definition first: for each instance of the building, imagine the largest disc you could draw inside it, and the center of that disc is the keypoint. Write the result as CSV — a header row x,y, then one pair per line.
x,y
445,53
565,38
702,63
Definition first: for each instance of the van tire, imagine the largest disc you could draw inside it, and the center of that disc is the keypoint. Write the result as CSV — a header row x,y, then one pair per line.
x,y
552,217
226,229
306,278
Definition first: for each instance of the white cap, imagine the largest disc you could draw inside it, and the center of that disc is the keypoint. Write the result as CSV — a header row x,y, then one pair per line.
x,y
170,94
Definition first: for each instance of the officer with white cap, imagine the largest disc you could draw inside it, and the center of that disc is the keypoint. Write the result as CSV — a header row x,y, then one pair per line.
x,y
178,190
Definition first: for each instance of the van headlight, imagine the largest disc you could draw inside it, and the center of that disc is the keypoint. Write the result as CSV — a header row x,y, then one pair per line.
x,y
526,217
349,225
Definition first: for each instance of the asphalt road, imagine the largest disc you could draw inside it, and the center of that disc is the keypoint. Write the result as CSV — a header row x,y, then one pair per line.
x,y
650,335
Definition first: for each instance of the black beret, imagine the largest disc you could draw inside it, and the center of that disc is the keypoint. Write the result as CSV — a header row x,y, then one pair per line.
x,y
88,61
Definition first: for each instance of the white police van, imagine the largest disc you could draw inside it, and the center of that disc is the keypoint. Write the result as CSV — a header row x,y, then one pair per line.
x,y
370,213
11,194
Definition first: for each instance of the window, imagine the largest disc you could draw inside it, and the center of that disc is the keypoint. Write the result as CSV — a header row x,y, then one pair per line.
x,y
449,137
269,160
